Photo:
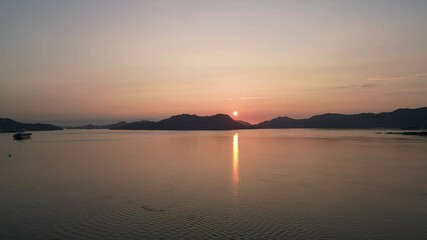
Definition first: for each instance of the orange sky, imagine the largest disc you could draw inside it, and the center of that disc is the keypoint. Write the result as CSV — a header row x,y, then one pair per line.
x,y
128,60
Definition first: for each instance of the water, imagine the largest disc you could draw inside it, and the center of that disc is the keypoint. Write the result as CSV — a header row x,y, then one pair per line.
x,y
251,184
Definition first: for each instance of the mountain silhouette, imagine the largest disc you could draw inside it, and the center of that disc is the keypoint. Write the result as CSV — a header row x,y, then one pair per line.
x,y
244,123
400,118
92,126
187,122
9,125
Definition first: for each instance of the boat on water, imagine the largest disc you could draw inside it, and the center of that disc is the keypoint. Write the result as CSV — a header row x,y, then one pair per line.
x,y
22,135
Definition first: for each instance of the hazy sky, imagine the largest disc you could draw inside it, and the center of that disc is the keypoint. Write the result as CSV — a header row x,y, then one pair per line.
x,y
91,60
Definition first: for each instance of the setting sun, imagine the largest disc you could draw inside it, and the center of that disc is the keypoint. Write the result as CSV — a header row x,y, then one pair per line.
x,y
235,113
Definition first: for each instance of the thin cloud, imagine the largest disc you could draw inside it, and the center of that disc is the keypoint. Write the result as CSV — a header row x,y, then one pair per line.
x,y
368,85
246,98
252,98
385,78
346,86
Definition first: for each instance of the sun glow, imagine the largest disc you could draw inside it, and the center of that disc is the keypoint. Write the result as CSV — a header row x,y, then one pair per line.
x,y
235,113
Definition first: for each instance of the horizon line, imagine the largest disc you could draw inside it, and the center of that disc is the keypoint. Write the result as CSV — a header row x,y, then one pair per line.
x,y
84,122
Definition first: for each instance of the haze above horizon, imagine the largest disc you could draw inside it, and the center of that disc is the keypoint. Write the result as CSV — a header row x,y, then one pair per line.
x,y
124,60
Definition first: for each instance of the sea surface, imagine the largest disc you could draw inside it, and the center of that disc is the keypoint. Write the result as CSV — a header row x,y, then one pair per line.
x,y
246,184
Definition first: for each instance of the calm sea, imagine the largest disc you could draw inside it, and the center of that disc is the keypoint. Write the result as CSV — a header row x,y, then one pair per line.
x,y
250,184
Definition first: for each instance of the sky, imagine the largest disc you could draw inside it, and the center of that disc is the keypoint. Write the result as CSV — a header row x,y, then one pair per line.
x,y
99,60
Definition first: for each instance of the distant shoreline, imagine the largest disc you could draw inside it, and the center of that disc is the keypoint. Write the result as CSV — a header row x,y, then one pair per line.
x,y
423,133
404,119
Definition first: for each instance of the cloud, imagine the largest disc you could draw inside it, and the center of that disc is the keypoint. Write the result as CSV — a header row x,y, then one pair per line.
x,y
420,75
346,86
246,98
382,78
252,98
368,85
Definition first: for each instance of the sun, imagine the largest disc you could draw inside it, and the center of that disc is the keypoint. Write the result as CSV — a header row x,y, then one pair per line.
x,y
235,113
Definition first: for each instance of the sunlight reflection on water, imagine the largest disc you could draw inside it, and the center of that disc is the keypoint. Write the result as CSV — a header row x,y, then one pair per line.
x,y
235,175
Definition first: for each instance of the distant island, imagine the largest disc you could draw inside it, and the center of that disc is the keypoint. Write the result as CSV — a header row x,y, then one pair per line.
x,y
424,134
9,125
404,119
187,122
92,126
398,119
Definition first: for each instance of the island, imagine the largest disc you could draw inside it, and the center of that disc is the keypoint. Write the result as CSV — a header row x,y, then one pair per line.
x,y
187,122
423,133
93,126
398,119
9,125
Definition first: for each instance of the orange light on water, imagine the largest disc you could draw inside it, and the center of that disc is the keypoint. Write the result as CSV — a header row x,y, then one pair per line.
x,y
235,174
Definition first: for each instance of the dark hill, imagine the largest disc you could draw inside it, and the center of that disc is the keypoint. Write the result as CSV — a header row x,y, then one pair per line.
x,y
187,122
400,118
244,123
9,125
92,126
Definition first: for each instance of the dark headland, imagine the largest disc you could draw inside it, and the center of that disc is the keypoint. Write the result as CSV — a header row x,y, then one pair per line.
x,y
398,119
9,125
423,134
